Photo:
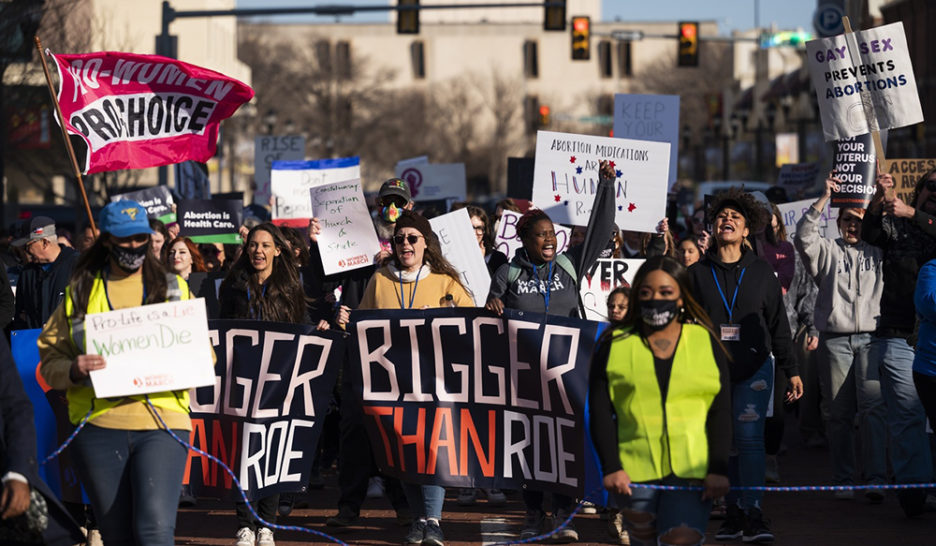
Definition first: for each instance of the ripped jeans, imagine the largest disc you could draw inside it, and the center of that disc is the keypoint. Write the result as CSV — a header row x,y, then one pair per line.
x,y
749,400
667,510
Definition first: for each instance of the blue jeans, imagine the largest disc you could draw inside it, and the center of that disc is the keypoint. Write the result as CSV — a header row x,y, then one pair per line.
x,y
852,387
749,400
906,421
670,509
133,478
425,500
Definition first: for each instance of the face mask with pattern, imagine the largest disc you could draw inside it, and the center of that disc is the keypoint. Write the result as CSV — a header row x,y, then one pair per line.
x,y
391,213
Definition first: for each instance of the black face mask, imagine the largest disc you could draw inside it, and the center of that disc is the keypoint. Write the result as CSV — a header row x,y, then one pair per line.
x,y
657,314
129,259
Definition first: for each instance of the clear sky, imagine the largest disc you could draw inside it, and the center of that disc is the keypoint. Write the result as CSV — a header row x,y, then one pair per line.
x,y
730,14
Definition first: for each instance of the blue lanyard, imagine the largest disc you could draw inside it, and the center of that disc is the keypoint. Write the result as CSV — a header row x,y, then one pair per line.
x,y
548,293
734,298
262,294
412,294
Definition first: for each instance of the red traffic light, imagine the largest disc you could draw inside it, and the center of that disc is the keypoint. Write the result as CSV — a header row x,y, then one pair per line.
x,y
688,30
580,24
544,110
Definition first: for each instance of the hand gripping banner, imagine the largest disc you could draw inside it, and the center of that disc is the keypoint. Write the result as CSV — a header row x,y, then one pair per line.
x,y
264,415
137,111
462,398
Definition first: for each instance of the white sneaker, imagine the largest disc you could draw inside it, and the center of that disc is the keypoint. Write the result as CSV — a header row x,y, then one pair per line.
x,y
265,537
495,496
245,537
467,496
375,488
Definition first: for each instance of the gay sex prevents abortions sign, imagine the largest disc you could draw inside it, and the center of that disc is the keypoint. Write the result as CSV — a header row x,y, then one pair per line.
x,y
461,398
137,111
152,348
262,412
565,178
864,81
348,240
290,182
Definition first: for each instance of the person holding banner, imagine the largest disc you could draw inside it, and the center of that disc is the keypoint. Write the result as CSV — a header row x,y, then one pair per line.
x,y
742,295
538,280
416,277
663,355
263,284
130,468
907,236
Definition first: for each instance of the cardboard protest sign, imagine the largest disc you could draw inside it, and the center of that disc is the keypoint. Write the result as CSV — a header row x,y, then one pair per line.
x,y
478,407
566,178
460,247
650,117
290,182
794,177
602,278
264,410
137,111
348,240
507,241
191,180
156,200
854,164
429,181
792,212
211,220
864,81
153,348
907,173
270,148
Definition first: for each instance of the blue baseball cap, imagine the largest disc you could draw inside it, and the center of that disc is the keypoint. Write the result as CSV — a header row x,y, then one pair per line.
x,y
123,219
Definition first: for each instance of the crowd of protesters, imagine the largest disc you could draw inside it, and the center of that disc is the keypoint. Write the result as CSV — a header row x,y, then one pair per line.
x,y
724,329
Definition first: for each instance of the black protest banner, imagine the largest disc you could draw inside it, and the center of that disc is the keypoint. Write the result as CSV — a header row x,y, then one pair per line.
x,y
463,398
211,220
853,161
265,412
156,200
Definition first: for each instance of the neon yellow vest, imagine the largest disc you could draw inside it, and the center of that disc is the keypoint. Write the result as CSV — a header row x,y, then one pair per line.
x,y
81,397
655,441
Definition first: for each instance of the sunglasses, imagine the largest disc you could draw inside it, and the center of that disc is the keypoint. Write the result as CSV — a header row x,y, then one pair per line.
x,y
398,201
411,239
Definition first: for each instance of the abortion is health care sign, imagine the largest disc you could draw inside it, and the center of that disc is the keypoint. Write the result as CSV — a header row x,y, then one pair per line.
x,y
864,81
290,182
152,348
565,178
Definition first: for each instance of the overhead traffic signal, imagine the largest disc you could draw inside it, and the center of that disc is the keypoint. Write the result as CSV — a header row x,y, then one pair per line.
x,y
581,38
688,44
555,16
407,21
543,116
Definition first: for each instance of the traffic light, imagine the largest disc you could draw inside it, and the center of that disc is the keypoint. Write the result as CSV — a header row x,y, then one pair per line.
x,y
407,21
581,39
543,116
688,44
555,16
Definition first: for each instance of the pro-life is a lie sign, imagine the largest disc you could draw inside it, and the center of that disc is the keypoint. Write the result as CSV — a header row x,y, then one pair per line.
x,y
152,348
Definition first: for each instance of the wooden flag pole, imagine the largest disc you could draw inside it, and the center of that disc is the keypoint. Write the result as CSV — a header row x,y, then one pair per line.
x,y
68,144
876,134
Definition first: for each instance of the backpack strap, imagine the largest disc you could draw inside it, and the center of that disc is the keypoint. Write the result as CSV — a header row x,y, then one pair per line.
x,y
513,273
565,263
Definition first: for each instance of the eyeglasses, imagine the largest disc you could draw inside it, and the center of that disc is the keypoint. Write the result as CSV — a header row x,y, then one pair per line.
x,y
411,239
479,229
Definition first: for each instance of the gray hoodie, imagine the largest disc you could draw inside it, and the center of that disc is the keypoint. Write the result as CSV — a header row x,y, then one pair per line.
x,y
850,278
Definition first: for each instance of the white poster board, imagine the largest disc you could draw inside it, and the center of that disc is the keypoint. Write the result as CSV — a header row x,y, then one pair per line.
x,y
460,247
603,278
649,117
792,212
291,181
267,149
431,181
864,81
348,239
507,241
565,178
153,348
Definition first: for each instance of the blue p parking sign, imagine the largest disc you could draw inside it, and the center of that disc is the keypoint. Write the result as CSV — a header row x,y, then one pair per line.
x,y
828,20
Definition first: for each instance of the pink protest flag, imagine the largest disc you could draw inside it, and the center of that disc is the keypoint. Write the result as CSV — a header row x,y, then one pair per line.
x,y
138,111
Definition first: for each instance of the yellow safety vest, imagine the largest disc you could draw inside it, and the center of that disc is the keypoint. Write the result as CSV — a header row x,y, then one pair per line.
x,y
81,397
656,440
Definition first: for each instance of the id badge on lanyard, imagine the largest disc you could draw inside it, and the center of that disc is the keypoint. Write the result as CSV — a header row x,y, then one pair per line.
x,y
729,331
